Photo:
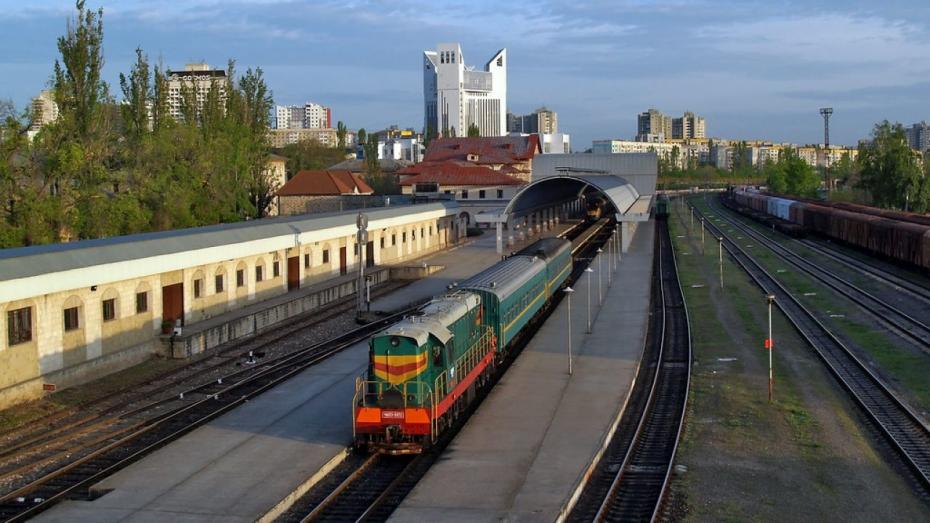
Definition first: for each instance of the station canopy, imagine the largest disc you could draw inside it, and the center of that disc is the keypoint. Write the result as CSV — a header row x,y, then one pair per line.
x,y
620,195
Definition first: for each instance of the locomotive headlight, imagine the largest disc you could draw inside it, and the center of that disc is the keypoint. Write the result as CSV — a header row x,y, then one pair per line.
x,y
395,341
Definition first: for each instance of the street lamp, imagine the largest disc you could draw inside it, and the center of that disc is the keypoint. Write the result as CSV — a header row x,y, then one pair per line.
x,y
720,258
568,293
600,283
610,260
590,271
770,346
702,235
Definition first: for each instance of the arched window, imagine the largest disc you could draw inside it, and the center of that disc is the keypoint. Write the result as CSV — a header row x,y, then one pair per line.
x,y
73,312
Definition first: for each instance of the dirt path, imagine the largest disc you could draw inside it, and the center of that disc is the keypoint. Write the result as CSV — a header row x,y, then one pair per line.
x,y
804,457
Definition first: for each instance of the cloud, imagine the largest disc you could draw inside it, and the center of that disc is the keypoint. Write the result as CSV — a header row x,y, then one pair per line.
x,y
833,38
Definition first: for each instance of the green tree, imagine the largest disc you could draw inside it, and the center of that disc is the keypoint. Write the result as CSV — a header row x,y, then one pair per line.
x,y
473,131
791,175
79,91
890,170
341,132
137,95
362,137
310,155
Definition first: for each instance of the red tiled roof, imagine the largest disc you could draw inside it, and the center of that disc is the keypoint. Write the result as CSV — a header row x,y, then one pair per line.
x,y
324,183
488,149
455,173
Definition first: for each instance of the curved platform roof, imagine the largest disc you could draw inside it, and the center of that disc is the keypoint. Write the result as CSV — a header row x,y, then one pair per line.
x,y
566,187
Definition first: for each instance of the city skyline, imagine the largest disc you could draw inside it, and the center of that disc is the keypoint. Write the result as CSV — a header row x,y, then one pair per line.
x,y
755,71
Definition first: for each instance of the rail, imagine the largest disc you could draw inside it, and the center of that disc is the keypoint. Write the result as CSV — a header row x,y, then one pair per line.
x,y
894,419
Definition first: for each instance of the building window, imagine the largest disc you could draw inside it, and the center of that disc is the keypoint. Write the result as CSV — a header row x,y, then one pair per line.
x,y
430,230
306,261
382,242
19,325
275,269
218,282
71,319
464,194
142,302
258,273
481,194
500,194
355,249
393,239
240,278
197,288
403,237
413,235
109,308
326,256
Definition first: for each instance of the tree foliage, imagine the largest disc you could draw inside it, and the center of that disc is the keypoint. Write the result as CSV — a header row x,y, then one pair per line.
x,y
473,131
891,171
791,175
104,169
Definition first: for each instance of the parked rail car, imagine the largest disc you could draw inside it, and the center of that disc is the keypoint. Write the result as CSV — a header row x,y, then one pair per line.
x,y
902,238
426,369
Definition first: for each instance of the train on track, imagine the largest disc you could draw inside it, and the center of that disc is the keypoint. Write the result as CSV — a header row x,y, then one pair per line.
x,y
878,232
425,370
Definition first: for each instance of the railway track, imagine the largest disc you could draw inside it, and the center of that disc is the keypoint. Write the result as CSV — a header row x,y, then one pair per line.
x,y
202,404
60,424
893,317
631,477
915,290
371,489
893,419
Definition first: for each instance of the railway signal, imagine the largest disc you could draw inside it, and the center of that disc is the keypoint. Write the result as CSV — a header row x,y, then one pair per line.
x,y
770,346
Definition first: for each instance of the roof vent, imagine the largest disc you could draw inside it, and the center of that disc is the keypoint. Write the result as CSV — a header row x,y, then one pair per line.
x,y
472,157
493,284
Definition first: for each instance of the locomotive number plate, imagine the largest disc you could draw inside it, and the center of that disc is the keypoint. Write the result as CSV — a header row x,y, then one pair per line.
x,y
392,414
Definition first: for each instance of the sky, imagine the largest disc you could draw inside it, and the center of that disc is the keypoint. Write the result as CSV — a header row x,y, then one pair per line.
x,y
753,69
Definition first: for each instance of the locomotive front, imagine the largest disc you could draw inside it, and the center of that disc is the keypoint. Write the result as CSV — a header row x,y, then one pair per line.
x,y
399,404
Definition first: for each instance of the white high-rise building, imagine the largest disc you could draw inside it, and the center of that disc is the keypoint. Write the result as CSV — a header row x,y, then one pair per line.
x,y
308,116
200,79
457,96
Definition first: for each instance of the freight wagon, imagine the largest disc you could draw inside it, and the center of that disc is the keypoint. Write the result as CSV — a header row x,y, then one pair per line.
x,y
902,237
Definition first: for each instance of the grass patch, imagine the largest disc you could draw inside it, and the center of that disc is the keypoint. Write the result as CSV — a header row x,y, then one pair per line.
x,y
908,368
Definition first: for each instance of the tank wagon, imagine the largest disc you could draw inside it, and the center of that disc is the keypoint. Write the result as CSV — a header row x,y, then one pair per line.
x,y
426,369
890,234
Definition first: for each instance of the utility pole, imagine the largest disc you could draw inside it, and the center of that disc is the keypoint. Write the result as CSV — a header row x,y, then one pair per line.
x,y
826,112
770,346
361,240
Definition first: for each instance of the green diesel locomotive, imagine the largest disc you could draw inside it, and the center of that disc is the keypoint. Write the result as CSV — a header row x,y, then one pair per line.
x,y
424,370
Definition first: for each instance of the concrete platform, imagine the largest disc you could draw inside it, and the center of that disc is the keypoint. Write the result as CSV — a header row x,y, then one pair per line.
x,y
524,452
241,465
